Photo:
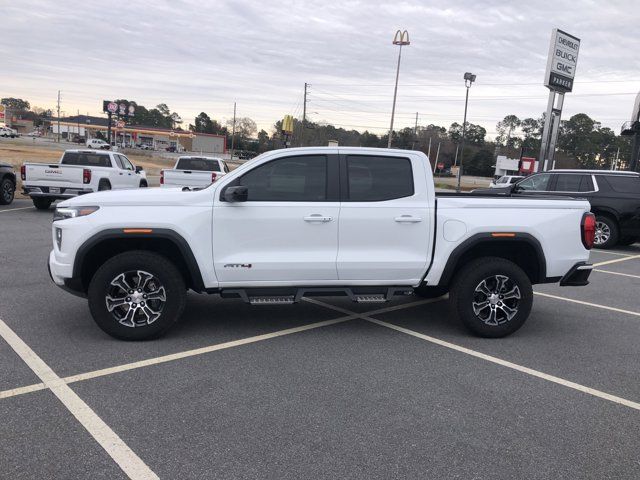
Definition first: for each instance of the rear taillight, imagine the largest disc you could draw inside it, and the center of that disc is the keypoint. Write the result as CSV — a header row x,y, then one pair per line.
x,y
161,177
23,173
213,177
588,227
86,175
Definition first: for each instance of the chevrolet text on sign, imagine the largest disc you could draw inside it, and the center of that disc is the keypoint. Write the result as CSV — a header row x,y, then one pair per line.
x,y
562,61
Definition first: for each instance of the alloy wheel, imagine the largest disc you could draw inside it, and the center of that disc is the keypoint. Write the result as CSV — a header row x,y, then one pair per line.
x,y
496,300
603,233
135,298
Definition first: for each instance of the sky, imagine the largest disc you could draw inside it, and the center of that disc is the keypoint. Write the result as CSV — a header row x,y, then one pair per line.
x,y
205,55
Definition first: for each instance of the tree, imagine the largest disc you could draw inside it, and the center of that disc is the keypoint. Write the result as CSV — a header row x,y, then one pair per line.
x,y
580,136
505,129
474,134
204,124
245,127
481,164
15,103
531,133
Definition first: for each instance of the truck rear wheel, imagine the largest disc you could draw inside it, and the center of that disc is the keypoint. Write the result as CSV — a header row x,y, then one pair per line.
x,y
492,296
137,295
42,203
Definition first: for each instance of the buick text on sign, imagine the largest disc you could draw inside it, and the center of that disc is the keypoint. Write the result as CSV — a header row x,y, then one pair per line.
x,y
562,61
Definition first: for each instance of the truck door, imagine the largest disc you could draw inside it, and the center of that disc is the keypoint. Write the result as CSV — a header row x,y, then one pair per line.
x,y
286,231
131,178
384,219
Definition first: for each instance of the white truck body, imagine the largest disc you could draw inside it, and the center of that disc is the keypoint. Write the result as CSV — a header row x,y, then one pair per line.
x,y
80,172
372,222
195,172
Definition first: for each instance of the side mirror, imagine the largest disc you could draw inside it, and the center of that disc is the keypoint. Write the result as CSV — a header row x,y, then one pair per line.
x,y
138,168
236,194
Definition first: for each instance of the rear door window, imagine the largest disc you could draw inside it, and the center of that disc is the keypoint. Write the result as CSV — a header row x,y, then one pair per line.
x,y
376,179
566,182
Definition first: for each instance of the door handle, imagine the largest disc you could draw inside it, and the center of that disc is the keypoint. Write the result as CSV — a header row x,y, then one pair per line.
x,y
407,219
316,217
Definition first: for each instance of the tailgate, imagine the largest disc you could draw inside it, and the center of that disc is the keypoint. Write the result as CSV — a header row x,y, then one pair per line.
x,y
38,174
187,178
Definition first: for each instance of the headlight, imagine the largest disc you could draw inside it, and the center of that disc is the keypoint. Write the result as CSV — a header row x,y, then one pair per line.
x,y
63,213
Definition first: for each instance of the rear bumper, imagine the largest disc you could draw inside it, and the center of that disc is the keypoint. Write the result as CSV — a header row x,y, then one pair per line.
x,y
64,192
578,276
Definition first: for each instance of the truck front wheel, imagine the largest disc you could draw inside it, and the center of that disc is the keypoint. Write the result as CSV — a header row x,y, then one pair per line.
x,y
137,295
492,296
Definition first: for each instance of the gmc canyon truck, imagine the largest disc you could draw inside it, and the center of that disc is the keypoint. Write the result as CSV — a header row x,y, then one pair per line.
x,y
194,172
79,172
360,222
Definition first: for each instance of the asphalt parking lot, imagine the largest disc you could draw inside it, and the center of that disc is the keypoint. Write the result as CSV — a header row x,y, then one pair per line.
x,y
322,389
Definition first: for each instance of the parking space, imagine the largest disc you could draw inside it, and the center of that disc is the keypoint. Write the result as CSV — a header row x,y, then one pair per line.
x,y
322,389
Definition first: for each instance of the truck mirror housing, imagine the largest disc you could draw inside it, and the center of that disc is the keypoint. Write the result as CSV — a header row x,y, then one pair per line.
x,y
138,168
236,194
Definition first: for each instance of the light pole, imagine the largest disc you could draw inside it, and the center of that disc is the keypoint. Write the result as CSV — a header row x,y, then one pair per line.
x,y
400,38
469,78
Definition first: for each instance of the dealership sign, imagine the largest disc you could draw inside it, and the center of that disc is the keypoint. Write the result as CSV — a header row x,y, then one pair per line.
x,y
562,61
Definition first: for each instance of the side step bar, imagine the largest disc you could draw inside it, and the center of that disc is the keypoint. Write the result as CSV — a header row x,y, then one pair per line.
x,y
288,296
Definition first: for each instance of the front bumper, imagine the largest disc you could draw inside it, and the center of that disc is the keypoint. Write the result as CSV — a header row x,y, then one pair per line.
x,y
578,276
57,272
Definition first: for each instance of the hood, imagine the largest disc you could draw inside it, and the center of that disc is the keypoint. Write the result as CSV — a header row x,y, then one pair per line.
x,y
143,197
6,165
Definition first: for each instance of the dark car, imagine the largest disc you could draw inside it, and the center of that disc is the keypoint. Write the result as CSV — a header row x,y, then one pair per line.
x,y
614,197
7,184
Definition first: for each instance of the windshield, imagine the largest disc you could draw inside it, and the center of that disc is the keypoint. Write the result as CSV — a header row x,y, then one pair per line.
x,y
198,164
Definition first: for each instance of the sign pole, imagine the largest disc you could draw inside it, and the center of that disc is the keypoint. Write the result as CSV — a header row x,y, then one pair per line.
x,y
546,131
557,113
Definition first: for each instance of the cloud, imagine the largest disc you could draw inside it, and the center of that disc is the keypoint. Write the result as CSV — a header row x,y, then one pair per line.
x,y
202,56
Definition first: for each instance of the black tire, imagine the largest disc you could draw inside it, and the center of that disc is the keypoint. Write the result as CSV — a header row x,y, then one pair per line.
x,y
165,277
498,319
607,230
143,184
104,185
433,291
7,191
628,240
42,203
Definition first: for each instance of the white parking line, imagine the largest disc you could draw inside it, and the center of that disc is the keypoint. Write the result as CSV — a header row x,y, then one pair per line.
x,y
496,360
589,304
513,366
617,260
616,273
126,458
609,252
14,209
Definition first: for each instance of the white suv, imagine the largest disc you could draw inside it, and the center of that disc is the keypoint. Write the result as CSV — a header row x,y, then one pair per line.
x,y
8,132
97,143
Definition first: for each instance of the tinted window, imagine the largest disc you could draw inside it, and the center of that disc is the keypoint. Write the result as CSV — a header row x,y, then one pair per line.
x,y
86,159
502,180
374,179
623,184
514,179
535,182
568,183
198,164
290,179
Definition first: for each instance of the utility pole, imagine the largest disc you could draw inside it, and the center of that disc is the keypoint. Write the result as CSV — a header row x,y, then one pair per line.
x,y
614,165
78,119
415,133
304,114
429,149
435,164
469,78
58,116
233,131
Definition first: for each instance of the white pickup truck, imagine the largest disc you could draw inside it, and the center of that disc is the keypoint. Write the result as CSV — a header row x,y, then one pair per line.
x,y
360,222
194,172
79,172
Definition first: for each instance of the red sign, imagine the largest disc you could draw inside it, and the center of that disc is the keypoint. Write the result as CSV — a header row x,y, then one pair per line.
x,y
2,112
527,165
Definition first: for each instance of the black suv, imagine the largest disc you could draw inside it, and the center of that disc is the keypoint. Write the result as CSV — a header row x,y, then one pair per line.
x,y
7,184
614,199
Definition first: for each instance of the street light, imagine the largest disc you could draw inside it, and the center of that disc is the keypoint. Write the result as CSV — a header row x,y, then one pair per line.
x,y
400,38
469,78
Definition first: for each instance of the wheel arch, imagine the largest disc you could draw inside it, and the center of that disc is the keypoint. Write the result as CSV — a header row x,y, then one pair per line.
x,y
523,249
104,245
10,175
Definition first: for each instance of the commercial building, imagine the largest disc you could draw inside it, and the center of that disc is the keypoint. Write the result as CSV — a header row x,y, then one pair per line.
x,y
128,136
